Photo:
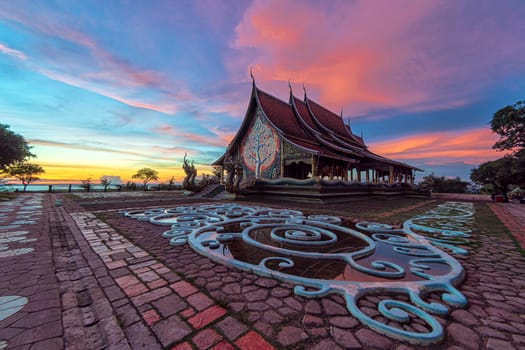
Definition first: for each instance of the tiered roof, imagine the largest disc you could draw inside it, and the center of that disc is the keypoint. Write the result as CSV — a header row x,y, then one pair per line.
x,y
313,128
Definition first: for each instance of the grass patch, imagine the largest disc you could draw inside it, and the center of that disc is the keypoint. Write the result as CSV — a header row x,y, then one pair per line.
x,y
489,224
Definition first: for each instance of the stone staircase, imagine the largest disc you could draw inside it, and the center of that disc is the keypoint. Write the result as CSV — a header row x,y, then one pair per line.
x,y
214,191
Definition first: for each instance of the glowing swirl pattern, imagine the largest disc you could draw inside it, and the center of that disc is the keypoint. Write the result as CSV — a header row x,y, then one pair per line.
x,y
321,256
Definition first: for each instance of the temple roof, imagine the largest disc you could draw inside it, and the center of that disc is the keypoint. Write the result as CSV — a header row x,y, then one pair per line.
x,y
311,127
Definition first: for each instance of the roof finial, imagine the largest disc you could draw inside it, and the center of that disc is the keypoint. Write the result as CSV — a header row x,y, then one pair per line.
x,y
341,112
304,89
291,91
251,75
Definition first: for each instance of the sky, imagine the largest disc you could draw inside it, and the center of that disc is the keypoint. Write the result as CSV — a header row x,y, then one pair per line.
x,y
108,87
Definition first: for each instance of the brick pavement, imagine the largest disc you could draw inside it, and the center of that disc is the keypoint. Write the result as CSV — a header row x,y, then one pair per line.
x,y
105,281
176,312
27,272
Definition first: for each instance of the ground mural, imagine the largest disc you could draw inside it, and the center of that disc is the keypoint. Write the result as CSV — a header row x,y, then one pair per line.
x,y
321,255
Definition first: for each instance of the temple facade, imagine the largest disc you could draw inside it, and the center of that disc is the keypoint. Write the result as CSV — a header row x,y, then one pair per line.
x,y
300,139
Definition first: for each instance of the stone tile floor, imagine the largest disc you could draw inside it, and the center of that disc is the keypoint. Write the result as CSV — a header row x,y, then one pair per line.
x,y
116,284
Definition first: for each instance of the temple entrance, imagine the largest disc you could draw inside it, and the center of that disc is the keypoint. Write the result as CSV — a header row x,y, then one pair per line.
x,y
298,170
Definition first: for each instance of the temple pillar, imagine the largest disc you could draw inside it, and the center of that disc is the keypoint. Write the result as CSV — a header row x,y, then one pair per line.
x,y
313,166
358,171
391,175
367,175
282,158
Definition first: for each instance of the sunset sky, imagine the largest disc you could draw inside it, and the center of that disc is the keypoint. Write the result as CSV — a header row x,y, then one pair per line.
x,y
108,87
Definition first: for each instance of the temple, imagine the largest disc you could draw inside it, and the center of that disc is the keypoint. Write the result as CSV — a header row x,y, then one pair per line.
x,y
301,149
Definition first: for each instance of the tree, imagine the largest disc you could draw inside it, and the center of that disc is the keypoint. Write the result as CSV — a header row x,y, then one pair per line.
x,y
499,173
171,182
25,172
106,181
443,185
87,184
509,124
146,175
13,148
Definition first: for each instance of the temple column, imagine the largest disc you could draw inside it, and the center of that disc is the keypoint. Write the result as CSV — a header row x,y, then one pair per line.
x,y
391,175
367,175
358,171
313,166
352,174
282,158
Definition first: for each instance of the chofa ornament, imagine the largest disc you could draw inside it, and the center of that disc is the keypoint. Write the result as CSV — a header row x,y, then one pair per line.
x,y
401,269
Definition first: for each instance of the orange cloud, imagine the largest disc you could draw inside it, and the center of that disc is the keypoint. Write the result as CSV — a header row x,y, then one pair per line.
x,y
343,56
469,146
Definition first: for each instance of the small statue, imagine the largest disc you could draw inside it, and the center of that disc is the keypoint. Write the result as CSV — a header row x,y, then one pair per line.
x,y
191,173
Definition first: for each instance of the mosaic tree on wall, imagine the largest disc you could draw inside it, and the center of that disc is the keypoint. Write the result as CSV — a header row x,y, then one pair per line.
x,y
260,147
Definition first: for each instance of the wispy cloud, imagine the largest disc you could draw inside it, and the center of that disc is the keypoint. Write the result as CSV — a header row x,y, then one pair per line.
x,y
12,52
147,153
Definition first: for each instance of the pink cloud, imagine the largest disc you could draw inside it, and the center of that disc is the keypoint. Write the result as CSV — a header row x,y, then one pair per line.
x,y
413,55
472,146
222,138
12,52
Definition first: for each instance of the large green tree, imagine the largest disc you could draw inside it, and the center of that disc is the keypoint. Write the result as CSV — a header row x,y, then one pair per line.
x,y
25,172
13,148
500,173
146,175
509,124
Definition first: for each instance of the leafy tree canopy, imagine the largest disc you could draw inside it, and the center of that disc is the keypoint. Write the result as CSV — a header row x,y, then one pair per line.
x,y
25,172
443,185
509,124
496,173
13,148
146,175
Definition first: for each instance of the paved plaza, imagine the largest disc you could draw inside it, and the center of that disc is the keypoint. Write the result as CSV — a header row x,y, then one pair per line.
x,y
77,274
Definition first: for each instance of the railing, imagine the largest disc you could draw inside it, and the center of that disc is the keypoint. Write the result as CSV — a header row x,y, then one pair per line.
x,y
86,188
